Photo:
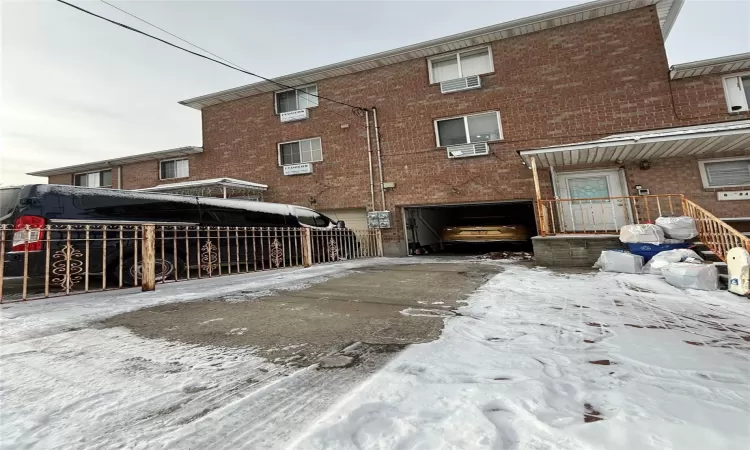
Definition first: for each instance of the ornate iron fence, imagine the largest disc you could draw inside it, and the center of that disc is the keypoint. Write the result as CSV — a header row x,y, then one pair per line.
x,y
59,260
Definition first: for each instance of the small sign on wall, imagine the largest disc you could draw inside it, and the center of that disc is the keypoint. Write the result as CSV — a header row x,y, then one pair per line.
x,y
291,116
298,169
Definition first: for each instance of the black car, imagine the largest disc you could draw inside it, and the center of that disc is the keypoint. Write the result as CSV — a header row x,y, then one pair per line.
x,y
192,232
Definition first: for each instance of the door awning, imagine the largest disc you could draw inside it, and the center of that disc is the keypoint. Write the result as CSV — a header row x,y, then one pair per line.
x,y
709,139
215,187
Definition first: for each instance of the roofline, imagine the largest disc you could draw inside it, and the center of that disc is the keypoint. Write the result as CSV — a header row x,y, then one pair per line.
x,y
228,182
740,58
614,141
174,152
674,11
432,47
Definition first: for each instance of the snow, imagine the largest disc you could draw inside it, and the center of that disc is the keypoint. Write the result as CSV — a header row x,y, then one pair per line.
x,y
536,359
515,371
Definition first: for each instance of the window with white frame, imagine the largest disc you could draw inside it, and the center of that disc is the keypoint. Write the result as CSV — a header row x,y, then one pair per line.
x,y
174,168
737,92
100,178
468,129
294,99
460,65
727,172
297,152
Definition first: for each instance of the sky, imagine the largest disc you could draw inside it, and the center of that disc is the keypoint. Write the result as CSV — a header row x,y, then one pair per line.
x,y
76,89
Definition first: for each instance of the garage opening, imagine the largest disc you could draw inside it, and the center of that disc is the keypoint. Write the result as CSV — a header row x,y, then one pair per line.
x,y
475,228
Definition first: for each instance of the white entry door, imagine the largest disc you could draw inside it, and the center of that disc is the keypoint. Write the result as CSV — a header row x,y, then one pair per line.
x,y
592,208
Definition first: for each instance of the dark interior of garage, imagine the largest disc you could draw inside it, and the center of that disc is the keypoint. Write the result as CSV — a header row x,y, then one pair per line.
x,y
470,228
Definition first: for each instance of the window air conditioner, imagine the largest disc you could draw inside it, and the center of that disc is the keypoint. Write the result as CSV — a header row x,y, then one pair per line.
x,y
461,84
466,150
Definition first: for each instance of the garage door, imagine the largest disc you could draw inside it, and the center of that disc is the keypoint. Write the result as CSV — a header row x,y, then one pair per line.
x,y
355,218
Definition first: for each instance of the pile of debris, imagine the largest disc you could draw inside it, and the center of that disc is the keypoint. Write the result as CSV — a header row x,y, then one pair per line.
x,y
513,256
661,249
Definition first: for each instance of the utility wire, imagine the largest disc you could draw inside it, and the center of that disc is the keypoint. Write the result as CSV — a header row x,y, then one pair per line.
x,y
356,109
171,34
298,91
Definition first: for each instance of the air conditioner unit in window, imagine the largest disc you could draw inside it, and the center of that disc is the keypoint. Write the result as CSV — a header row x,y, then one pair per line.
x,y
461,84
466,150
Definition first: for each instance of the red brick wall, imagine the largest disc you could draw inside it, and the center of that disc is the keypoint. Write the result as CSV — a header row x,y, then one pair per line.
x,y
682,176
567,84
61,179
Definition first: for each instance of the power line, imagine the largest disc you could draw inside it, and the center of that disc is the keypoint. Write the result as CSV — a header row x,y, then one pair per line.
x,y
356,109
305,94
171,34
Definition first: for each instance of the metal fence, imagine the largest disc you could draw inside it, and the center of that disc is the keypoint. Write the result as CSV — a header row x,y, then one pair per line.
x,y
59,260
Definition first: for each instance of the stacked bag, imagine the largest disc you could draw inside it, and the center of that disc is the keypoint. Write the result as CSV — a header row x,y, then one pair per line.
x,y
655,251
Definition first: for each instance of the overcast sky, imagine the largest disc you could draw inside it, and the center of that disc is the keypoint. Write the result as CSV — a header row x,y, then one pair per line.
x,y
77,89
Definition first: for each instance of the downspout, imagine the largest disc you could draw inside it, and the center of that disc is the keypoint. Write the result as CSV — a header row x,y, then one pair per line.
x,y
369,157
380,158
119,177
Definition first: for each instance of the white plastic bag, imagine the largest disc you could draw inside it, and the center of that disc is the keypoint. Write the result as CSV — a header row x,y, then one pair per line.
x,y
662,259
692,276
641,234
614,261
682,227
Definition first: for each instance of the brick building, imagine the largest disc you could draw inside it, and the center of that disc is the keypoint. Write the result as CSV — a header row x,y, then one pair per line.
x,y
586,92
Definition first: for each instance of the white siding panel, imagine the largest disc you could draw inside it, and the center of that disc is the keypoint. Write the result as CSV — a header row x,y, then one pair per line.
x,y
741,143
354,218
703,145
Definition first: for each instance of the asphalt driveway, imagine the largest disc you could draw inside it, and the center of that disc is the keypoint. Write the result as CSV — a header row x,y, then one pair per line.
x,y
380,305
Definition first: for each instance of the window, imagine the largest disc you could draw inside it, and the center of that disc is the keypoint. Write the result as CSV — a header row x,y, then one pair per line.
x,y
305,151
299,98
726,172
311,218
468,129
101,178
737,92
176,168
459,65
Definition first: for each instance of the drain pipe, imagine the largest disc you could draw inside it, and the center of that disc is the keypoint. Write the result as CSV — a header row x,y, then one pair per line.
x,y
380,158
369,157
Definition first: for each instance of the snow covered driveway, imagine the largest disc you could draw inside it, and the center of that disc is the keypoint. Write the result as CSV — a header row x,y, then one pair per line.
x,y
537,360
545,360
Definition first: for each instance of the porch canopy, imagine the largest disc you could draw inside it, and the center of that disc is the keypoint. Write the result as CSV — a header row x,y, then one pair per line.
x,y
214,187
710,139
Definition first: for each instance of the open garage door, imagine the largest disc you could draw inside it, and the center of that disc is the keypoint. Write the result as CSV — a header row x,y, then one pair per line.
x,y
470,228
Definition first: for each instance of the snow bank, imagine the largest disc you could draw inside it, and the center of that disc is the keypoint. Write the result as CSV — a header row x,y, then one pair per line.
x,y
562,361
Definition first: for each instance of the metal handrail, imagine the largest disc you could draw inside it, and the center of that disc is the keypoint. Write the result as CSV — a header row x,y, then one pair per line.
x,y
552,214
713,232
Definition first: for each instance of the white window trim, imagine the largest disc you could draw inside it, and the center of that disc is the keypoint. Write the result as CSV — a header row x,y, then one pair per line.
x,y
75,174
174,159
457,54
276,98
704,175
466,127
726,97
278,151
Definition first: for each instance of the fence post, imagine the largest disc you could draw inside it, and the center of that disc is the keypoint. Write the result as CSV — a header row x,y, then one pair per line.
x,y
148,258
379,241
306,248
